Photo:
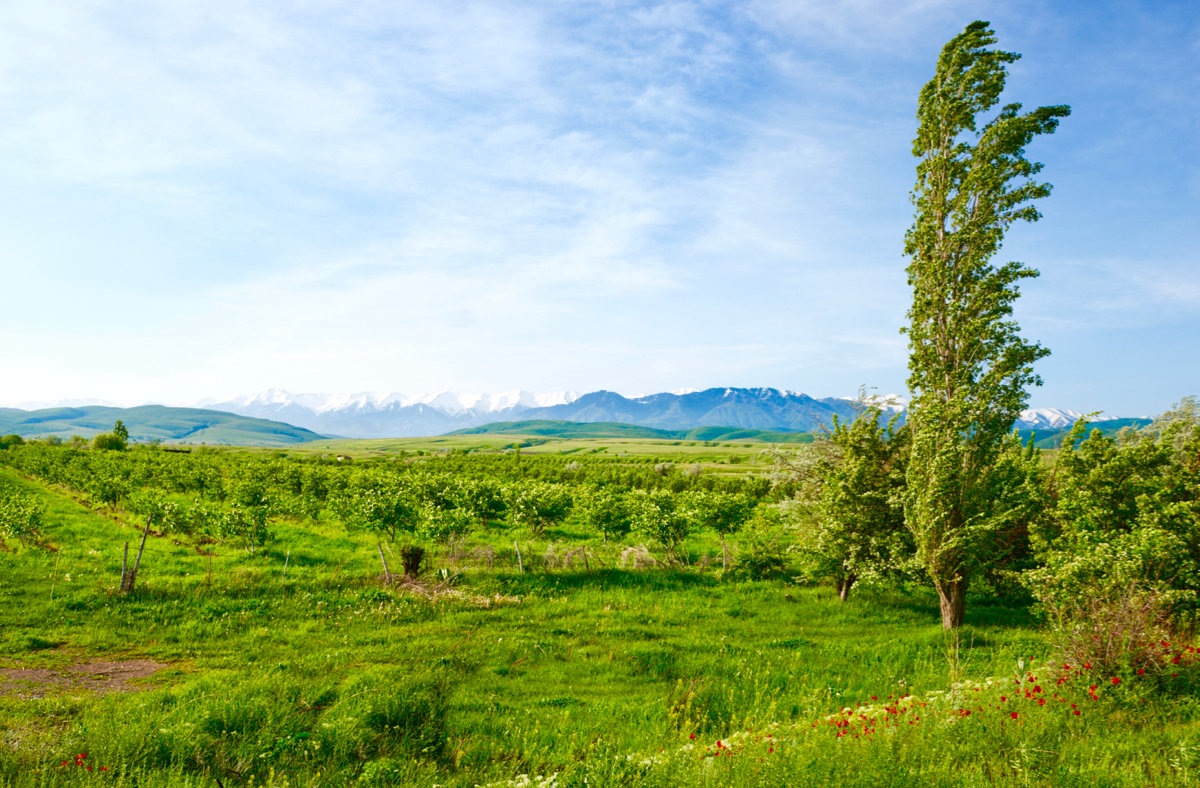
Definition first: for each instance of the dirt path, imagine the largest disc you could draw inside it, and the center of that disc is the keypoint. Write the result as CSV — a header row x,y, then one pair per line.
x,y
100,677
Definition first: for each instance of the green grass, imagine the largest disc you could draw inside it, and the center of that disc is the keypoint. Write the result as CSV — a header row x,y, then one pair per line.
x,y
710,454
597,678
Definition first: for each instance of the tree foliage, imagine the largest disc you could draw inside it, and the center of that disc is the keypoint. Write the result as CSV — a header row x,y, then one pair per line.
x,y
21,514
1118,554
849,517
969,367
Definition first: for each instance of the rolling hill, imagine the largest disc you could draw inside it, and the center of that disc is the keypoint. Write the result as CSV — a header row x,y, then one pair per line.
x,y
151,423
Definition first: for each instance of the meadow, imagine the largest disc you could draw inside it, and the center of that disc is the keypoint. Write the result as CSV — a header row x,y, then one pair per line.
x,y
295,664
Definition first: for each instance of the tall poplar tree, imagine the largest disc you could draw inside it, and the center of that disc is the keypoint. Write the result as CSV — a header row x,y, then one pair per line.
x,y
968,365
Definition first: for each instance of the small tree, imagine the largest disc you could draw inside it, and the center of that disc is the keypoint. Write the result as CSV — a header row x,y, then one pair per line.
x,y
969,367
723,512
538,505
246,525
608,511
851,523
657,514
380,504
482,499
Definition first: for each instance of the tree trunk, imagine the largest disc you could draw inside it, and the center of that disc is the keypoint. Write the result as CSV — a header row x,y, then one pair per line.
x,y
952,596
844,584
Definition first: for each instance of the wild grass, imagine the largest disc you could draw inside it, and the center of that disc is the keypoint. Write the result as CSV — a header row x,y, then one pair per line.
x,y
570,676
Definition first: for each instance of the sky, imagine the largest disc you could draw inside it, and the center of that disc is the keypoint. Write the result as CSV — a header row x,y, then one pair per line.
x,y
205,200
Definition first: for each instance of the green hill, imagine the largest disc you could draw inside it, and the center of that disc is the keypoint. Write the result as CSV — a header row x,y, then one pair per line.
x,y
150,423
1053,439
608,429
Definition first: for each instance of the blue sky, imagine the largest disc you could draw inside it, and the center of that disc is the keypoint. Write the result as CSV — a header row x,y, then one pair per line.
x,y
209,199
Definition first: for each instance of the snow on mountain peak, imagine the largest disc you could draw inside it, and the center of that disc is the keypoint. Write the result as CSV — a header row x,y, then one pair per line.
x,y
1054,418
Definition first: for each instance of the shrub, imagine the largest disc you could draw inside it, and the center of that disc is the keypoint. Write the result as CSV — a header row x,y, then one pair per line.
x,y
20,514
763,555
1120,631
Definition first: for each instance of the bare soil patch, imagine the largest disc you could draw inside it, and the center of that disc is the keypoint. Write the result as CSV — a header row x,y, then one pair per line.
x,y
100,677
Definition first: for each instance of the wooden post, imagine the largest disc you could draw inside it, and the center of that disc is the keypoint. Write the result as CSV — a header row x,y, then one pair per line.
x,y
54,577
138,561
520,564
387,576
286,558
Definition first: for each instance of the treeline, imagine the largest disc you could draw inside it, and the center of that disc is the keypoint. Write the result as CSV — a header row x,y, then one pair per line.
x,y
1104,539
211,495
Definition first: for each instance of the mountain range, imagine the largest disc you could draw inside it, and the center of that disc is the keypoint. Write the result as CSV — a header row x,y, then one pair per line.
x,y
277,418
397,415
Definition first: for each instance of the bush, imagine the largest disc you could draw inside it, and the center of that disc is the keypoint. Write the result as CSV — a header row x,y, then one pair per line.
x,y
1123,631
20,514
106,441
763,556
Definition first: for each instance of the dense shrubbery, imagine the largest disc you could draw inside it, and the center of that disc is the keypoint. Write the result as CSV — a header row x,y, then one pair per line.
x,y
1106,539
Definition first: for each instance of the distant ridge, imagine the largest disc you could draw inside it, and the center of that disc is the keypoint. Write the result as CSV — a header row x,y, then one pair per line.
x,y
605,429
1053,438
398,416
148,423
395,415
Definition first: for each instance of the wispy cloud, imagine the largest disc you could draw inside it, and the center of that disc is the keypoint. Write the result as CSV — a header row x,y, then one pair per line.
x,y
623,194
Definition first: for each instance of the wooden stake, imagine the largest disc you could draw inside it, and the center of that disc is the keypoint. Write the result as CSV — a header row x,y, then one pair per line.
x,y
138,561
54,577
520,563
387,576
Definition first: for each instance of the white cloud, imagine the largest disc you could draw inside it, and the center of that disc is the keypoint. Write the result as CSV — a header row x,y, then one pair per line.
x,y
478,195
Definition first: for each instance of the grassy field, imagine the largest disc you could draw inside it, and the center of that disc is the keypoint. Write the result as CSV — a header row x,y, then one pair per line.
x,y
745,454
481,675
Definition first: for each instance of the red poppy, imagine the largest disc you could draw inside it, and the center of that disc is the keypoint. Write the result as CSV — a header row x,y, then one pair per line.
x,y
1115,681
1014,715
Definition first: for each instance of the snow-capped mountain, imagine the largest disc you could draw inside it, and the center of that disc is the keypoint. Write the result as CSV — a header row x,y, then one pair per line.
x,y
367,415
1047,418
372,415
